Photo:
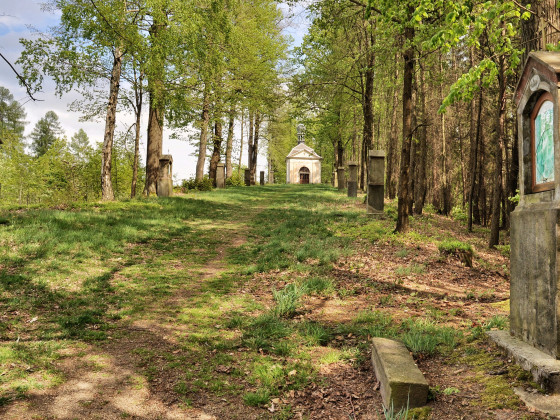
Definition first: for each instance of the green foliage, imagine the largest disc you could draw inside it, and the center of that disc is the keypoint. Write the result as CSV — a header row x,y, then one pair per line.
x,y
236,180
458,213
424,337
193,185
452,246
318,285
287,300
46,131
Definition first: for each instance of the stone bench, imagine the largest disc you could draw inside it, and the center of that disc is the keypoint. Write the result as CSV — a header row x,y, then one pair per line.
x,y
401,382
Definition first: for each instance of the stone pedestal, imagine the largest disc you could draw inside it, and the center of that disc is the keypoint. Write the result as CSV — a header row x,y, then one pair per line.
x,y
247,177
220,176
262,178
352,179
165,180
341,179
376,182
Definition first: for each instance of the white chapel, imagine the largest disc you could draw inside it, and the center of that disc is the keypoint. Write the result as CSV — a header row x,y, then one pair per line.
x,y
303,165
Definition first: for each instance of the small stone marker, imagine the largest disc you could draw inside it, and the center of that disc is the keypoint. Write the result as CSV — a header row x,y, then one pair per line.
x,y
402,383
220,176
376,181
271,177
247,177
341,179
352,179
164,186
334,180
262,177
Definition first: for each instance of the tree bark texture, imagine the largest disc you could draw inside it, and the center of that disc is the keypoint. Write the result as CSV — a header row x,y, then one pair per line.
x,y
229,143
215,158
408,75
255,149
498,152
204,123
110,119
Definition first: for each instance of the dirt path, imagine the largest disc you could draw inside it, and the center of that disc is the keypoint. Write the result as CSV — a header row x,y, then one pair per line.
x,y
109,381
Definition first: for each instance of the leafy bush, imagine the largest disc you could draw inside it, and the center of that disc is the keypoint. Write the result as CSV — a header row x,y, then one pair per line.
x,y
236,180
458,213
193,185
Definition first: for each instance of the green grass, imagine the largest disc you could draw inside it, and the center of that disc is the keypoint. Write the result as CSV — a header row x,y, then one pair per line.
x,y
72,280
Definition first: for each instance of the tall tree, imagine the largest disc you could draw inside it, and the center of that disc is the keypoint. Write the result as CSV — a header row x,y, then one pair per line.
x,y
45,132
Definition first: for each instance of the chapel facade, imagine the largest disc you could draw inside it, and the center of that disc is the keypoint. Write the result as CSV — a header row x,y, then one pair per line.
x,y
303,165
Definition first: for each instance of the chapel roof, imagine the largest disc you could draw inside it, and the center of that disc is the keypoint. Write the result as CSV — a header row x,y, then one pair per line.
x,y
302,147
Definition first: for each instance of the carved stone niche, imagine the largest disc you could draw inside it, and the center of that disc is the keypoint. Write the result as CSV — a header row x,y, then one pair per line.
x,y
535,228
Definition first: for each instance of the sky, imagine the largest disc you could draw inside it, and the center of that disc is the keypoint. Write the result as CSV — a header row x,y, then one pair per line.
x,y
26,18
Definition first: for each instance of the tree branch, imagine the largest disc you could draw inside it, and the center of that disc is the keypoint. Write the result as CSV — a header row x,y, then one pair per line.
x,y
21,79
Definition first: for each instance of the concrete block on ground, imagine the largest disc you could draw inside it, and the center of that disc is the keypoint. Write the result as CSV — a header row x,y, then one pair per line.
x,y
544,368
401,382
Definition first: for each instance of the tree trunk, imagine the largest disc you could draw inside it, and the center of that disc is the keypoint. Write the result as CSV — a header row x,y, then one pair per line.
x,y
215,158
255,148
106,184
156,110
420,190
204,123
391,182
474,159
408,56
250,143
138,96
241,146
229,143
500,132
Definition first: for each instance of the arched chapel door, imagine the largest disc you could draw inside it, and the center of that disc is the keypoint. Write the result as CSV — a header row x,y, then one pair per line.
x,y
304,175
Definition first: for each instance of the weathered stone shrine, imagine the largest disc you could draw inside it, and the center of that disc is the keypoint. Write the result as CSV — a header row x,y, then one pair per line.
x,y
535,228
303,165
165,180
534,338
376,182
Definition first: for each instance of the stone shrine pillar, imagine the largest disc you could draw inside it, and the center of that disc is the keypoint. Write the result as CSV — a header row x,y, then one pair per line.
x,y
376,181
340,178
247,177
271,177
334,180
262,177
164,186
352,179
220,175
535,223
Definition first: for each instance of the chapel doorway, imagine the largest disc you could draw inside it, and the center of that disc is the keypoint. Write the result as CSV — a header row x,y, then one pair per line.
x,y
304,175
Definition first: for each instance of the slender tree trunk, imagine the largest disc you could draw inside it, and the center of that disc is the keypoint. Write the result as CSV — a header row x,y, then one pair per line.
x,y
496,198
391,183
215,158
420,190
229,143
408,75
106,184
204,123
474,159
138,96
255,148
250,142
241,146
